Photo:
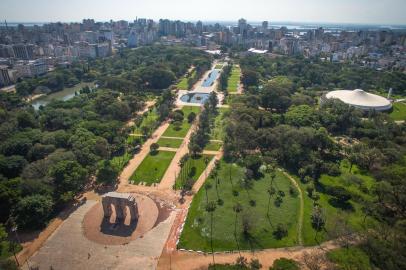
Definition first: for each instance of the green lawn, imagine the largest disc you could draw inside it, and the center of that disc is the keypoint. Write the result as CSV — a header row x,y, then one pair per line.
x,y
192,170
217,132
196,232
149,119
152,168
234,79
167,142
218,66
354,217
213,146
171,132
352,258
399,111
183,83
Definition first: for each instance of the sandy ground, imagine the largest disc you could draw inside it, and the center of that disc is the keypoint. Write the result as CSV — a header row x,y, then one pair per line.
x,y
192,260
68,248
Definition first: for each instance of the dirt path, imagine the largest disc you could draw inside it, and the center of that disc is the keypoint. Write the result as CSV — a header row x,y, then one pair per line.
x,y
192,260
174,138
211,152
301,211
169,149
139,157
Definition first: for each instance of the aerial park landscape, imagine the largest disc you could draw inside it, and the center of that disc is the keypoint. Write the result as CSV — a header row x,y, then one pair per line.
x,y
197,207
215,145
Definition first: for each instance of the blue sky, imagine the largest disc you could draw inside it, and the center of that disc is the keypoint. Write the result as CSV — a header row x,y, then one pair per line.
x,y
334,11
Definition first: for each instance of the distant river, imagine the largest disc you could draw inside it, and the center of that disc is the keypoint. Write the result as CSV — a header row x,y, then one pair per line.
x,y
65,94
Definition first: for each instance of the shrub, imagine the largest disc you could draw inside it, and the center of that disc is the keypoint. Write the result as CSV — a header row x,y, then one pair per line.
x,y
280,231
191,117
284,264
154,148
177,125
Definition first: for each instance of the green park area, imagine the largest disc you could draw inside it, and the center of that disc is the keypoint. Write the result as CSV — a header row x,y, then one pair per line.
x,y
217,132
146,122
398,112
234,79
191,170
341,215
183,84
170,142
213,146
181,130
218,66
152,168
349,258
258,221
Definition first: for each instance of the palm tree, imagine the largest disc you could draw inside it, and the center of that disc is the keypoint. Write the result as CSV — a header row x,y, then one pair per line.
x,y
207,186
210,208
237,209
229,174
206,161
271,191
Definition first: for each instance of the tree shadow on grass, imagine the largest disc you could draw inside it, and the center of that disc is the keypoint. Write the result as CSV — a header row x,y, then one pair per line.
x,y
346,206
252,241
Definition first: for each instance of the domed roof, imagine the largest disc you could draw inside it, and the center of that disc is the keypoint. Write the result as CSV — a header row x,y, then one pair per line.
x,y
361,99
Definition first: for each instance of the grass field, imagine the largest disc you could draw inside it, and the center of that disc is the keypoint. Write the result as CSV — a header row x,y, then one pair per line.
x,y
234,79
351,258
196,233
399,111
167,142
354,217
183,83
152,168
218,66
192,169
213,146
149,119
217,132
171,132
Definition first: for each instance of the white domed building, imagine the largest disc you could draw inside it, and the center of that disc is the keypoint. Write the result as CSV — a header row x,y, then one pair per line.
x,y
359,99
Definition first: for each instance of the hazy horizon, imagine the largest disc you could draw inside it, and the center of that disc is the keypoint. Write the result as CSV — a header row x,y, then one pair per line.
x,y
372,12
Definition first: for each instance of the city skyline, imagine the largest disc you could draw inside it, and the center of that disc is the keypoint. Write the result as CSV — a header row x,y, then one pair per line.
x,y
313,11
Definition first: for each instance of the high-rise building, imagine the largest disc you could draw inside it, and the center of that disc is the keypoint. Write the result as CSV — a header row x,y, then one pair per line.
x,y
199,27
4,76
264,26
132,39
23,51
242,26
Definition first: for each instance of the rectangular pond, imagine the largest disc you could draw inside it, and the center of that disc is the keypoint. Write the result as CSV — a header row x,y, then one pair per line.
x,y
211,78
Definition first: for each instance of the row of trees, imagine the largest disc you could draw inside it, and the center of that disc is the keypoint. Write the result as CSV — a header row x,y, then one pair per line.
x,y
201,136
223,80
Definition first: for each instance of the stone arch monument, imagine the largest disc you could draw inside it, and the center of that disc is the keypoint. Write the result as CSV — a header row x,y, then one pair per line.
x,y
120,201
